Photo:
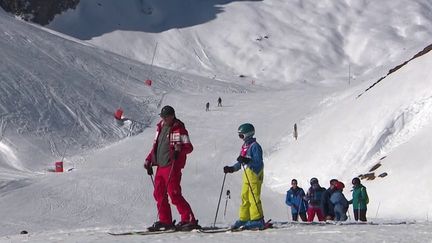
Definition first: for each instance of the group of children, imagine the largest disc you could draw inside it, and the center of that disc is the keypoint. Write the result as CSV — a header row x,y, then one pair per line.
x,y
326,204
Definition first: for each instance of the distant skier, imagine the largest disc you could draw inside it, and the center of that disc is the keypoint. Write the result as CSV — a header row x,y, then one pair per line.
x,y
340,202
360,200
219,102
207,106
294,199
170,147
295,134
314,196
251,214
326,205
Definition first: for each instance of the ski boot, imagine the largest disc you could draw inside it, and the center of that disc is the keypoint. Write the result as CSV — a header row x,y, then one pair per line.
x,y
159,226
238,224
187,226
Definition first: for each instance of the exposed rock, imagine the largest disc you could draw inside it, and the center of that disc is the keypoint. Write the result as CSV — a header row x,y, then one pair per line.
x,y
376,166
383,174
38,11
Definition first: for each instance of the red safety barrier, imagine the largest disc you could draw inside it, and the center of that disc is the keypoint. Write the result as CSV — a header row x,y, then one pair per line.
x,y
59,166
118,114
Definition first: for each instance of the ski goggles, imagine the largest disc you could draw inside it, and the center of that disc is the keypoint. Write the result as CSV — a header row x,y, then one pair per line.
x,y
241,135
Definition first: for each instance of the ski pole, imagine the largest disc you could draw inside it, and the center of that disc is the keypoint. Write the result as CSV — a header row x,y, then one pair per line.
x,y
298,209
251,190
379,204
289,214
228,196
359,211
151,177
305,207
154,188
220,196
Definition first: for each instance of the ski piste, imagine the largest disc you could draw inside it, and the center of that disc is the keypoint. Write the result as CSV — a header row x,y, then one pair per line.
x,y
268,226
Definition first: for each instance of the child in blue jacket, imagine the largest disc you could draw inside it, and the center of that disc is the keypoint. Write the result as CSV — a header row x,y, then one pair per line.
x,y
340,202
294,199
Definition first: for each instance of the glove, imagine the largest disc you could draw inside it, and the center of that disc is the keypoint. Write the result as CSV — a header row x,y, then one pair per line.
x,y
228,169
243,159
150,171
176,155
177,148
147,164
148,167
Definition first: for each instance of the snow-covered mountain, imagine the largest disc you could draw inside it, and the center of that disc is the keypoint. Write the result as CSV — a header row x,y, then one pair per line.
x,y
59,93
269,42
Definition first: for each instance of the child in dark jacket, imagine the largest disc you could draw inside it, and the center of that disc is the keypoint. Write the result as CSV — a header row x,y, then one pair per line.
x,y
327,206
314,197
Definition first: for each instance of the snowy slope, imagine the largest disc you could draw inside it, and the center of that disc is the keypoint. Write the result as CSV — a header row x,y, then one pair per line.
x,y
354,133
59,96
268,41
47,82
51,80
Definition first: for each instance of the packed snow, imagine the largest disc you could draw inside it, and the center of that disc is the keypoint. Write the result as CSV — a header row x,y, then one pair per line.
x,y
59,91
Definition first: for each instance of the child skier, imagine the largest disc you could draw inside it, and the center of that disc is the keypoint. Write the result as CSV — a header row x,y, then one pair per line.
x,y
294,199
251,214
340,202
359,201
314,196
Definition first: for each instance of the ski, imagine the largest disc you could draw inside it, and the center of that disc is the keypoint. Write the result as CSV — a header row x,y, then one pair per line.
x,y
373,223
227,230
213,230
144,232
147,232
267,225
285,224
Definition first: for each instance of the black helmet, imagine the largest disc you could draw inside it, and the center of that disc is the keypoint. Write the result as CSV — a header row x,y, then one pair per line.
x,y
167,111
313,181
333,181
355,181
247,130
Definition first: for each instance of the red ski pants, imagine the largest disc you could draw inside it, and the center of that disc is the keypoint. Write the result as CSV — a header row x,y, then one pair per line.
x,y
167,183
311,214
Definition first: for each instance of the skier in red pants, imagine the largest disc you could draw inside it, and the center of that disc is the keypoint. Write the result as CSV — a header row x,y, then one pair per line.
x,y
314,197
170,147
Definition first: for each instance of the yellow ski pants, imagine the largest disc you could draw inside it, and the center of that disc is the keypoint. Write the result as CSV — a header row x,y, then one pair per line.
x,y
251,208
